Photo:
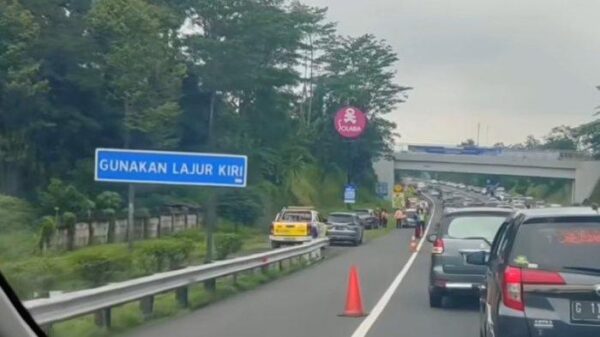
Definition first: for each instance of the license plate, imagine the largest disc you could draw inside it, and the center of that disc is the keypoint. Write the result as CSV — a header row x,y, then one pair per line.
x,y
585,311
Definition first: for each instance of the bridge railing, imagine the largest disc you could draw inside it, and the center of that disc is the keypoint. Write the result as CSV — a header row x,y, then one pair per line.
x,y
101,300
491,151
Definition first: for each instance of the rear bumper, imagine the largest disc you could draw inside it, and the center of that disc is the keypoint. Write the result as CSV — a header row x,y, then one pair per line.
x,y
342,236
455,284
290,239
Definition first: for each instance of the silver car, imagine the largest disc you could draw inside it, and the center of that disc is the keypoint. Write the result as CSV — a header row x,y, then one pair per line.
x,y
461,232
345,227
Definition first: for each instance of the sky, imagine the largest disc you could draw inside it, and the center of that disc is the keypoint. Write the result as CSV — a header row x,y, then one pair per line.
x,y
515,67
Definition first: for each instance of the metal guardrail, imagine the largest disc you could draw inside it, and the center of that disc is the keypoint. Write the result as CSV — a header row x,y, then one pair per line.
x,y
100,300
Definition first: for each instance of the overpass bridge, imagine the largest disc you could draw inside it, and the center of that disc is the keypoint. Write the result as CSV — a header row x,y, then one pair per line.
x,y
583,173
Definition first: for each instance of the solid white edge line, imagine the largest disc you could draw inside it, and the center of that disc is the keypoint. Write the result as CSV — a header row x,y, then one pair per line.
x,y
368,322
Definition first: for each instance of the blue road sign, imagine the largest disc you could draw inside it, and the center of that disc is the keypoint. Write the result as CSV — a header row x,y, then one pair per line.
x,y
171,168
382,189
350,194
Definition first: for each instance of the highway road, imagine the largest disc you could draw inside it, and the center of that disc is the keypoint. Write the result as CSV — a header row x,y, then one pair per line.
x,y
307,303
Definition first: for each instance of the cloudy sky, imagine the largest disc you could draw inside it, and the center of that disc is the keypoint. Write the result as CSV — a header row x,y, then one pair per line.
x,y
517,67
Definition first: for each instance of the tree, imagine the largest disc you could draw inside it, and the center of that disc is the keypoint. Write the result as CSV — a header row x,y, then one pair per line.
x,y
142,68
256,77
47,228
244,54
356,71
147,89
468,142
62,197
561,138
21,94
589,134
590,137
530,143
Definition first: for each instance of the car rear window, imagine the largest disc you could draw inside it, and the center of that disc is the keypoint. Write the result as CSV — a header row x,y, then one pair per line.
x,y
296,216
470,226
554,246
339,218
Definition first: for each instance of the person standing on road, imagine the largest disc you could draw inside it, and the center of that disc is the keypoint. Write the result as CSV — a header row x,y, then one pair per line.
x,y
420,221
384,218
399,216
418,231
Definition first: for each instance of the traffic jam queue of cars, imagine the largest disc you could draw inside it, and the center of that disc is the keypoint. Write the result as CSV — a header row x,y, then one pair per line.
x,y
299,224
536,272
296,225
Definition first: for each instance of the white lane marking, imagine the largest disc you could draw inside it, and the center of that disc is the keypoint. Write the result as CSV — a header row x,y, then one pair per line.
x,y
368,322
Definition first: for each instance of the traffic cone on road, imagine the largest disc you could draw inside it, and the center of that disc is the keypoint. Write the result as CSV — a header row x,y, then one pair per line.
x,y
413,244
354,304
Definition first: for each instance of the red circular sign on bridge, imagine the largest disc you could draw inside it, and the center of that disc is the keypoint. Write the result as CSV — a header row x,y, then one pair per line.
x,y
350,122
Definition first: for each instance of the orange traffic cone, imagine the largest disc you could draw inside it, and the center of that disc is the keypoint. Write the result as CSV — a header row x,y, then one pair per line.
x,y
413,244
354,304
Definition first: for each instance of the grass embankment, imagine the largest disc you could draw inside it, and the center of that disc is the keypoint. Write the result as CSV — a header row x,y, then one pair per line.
x,y
129,316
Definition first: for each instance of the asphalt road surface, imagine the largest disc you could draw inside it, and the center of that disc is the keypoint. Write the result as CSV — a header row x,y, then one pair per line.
x,y
307,303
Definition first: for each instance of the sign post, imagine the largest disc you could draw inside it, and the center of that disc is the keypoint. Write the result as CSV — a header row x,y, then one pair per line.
x,y
350,123
168,168
350,194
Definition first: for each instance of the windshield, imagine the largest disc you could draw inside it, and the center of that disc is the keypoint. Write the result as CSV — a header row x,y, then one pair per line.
x,y
484,226
558,245
178,167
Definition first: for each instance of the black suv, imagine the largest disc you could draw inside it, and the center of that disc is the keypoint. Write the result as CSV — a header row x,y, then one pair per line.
x,y
543,275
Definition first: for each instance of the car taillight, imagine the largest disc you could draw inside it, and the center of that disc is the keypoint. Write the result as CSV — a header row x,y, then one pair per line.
x,y
512,288
308,229
438,246
532,276
515,278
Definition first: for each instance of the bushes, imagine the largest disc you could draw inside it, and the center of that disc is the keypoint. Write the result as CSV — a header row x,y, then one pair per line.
x,y
47,228
156,255
95,266
226,244
34,277
15,214
193,235
99,265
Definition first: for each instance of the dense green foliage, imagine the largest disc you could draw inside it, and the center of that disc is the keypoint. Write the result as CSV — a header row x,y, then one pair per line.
x,y
266,77
226,244
93,266
15,214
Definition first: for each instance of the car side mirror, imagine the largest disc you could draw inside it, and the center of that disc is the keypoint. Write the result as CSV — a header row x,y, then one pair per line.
x,y
432,238
478,258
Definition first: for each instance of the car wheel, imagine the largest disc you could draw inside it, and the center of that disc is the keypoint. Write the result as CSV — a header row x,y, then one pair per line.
x,y
435,300
275,245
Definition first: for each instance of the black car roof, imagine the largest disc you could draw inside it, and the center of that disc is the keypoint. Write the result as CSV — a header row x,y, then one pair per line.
x,y
558,212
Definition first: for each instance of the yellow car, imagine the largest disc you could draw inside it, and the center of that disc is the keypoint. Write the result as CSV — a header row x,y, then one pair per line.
x,y
296,225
